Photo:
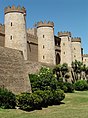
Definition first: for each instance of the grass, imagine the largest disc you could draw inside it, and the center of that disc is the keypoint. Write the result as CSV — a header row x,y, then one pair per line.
x,y
75,106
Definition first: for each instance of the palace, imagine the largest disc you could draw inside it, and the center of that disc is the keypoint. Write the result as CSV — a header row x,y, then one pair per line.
x,y
39,44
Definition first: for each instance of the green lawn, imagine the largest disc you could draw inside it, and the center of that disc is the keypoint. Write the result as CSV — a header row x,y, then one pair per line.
x,y
75,106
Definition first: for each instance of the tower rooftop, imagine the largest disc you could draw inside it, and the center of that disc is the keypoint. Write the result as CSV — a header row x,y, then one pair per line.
x,y
15,9
45,24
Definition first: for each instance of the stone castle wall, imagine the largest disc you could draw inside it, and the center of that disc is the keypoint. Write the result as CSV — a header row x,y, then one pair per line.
x,y
2,35
32,47
32,31
85,59
13,74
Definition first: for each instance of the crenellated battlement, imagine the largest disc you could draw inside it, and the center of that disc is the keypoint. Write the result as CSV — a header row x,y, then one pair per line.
x,y
15,9
60,34
32,31
2,28
76,39
85,55
45,24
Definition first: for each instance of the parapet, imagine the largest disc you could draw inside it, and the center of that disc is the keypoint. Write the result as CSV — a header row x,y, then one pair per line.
x,y
85,55
45,24
2,28
32,31
15,9
76,39
60,34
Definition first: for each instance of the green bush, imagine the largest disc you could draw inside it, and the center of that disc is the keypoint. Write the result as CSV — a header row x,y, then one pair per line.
x,y
47,97
29,101
64,88
68,87
7,99
45,80
81,85
58,96
39,99
51,97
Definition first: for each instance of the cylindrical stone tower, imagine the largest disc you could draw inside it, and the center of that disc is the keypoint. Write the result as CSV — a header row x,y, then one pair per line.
x,y
46,45
15,29
76,49
66,49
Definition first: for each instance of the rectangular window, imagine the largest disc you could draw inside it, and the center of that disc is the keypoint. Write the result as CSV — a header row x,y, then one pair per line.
x,y
11,37
43,36
43,46
11,23
43,57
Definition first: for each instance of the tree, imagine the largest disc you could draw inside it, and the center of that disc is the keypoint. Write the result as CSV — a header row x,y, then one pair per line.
x,y
61,71
77,68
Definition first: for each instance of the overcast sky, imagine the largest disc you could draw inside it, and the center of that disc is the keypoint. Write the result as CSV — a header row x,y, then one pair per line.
x,y
67,15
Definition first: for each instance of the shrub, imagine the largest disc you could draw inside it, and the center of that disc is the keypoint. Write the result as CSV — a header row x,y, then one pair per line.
x,y
39,99
58,96
69,87
29,101
45,80
44,97
7,99
24,101
51,97
47,97
81,85
64,88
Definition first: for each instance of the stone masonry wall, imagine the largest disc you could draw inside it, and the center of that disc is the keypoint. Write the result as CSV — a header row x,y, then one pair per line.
x,y
76,51
85,59
32,48
66,54
12,71
2,39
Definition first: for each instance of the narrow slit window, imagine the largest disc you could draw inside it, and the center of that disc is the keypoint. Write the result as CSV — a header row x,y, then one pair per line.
x,y
43,57
43,46
11,23
43,36
11,37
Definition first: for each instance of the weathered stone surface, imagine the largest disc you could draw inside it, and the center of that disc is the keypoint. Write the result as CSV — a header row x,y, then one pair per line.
x,y
12,71
46,45
76,49
66,50
15,32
